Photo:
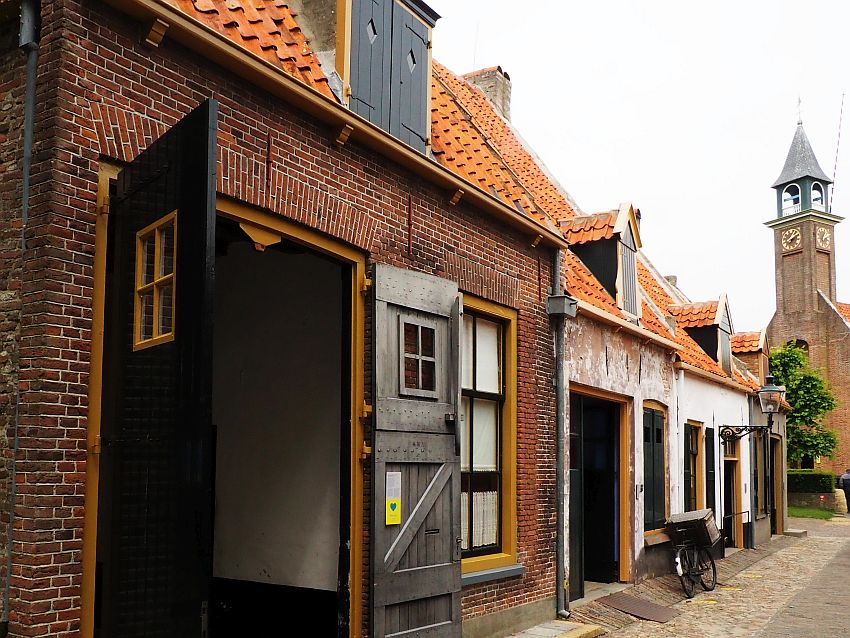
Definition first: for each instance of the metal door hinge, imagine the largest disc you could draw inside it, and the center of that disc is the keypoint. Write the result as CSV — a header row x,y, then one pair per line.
x,y
96,447
365,451
103,207
365,411
365,284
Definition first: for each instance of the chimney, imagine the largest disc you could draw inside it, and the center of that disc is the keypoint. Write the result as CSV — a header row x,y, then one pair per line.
x,y
673,280
496,86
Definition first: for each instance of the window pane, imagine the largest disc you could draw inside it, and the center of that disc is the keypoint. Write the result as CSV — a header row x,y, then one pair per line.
x,y
411,340
429,374
146,327
467,354
427,342
411,373
148,253
166,313
487,378
484,435
464,434
485,509
464,520
166,250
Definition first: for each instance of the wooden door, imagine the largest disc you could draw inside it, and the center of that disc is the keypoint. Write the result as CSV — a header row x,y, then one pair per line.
x,y
416,509
155,506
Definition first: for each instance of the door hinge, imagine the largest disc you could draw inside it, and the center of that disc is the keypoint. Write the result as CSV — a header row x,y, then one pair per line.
x,y
103,207
365,284
365,451
96,447
365,411
458,549
205,619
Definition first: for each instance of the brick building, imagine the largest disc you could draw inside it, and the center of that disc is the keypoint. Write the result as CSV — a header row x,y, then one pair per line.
x,y
279,306
806,306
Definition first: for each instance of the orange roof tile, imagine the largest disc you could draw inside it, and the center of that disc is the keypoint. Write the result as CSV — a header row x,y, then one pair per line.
x,y
547,195
844,309
746,342
651,322
690,352
581,284
459,145
745,378
266,28
694,315
585,228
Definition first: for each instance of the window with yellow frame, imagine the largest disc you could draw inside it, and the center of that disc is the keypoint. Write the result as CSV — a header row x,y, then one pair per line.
x,y
488,437
154,285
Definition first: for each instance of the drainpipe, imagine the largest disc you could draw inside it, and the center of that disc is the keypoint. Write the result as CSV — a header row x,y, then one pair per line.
x,y
28,42
560,306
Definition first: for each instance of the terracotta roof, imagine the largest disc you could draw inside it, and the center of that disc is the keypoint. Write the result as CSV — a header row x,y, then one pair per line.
x,y
746,342
581,284
651,322
844,309
690,353
694,315
585,228
745,378
498,132
266,28
459,145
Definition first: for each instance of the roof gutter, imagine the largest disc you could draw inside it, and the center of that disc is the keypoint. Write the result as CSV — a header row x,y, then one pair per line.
x,y
216,47
593,312
729,383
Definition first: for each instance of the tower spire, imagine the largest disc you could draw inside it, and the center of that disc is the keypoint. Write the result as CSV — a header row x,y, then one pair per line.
x,y
799,110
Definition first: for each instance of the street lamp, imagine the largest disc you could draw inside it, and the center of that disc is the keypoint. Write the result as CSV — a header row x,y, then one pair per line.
x,y
770,398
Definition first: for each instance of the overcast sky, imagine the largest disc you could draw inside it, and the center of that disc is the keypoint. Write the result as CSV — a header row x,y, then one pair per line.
x,y
685,109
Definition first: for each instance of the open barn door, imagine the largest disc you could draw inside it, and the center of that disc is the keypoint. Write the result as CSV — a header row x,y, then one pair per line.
x,y
155,498
416,526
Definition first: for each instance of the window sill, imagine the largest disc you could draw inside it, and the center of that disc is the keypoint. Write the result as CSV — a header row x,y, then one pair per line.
x,y
488,575
487,563
655,537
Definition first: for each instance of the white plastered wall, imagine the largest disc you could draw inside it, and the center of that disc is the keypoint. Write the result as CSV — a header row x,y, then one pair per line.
x,y
277,407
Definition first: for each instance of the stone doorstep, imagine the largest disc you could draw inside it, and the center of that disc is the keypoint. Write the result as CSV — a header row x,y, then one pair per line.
x,y
561,629
796,533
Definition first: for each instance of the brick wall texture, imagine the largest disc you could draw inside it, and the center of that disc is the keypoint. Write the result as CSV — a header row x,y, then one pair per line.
x,y
101,95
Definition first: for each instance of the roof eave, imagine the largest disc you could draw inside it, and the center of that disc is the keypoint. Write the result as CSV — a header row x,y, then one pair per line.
x,y
216,47
598,314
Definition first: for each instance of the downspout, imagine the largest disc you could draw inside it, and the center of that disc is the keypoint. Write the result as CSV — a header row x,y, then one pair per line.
x,y
560,306
28,42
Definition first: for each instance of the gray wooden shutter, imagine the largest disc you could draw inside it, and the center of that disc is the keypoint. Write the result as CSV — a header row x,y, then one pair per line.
x,y
416,564
409,79
710,472
371,37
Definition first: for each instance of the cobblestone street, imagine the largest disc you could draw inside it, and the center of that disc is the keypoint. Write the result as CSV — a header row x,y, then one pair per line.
x,y
798,590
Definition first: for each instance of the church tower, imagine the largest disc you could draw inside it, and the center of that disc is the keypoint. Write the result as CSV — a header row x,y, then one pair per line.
x,y
803,232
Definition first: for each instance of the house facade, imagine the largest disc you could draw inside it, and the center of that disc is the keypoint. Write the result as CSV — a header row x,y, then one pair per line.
x,y
278,332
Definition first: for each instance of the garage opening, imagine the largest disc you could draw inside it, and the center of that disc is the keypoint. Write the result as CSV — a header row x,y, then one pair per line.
x,y
281,510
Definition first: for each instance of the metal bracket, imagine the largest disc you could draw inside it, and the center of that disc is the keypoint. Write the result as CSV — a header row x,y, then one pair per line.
x,y
729,433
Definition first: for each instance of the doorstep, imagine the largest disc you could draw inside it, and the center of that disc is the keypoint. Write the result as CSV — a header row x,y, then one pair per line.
x,y
561,629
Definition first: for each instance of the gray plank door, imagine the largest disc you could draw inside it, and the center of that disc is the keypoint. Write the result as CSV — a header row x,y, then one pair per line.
x,y
416,558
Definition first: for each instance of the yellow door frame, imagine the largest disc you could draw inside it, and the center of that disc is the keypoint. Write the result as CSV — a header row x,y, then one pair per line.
x,y
778,492
626,531
266,224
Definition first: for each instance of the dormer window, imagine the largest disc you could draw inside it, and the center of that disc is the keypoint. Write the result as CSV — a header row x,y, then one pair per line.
x,y
791,200
817,196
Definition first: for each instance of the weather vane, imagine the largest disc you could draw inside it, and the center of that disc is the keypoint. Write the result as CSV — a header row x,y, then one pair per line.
x,y
799,111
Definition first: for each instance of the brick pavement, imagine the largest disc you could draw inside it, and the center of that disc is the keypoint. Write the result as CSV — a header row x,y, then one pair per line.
x,y
787,588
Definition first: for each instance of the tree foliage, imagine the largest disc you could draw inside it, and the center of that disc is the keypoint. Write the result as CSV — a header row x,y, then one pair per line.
x,y
810,400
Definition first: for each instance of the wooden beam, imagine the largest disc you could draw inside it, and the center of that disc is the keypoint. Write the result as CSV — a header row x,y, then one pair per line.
x,y
344,133
155,32
456,197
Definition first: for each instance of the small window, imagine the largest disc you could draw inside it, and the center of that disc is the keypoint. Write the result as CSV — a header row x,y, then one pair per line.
x,y
418,348
817,196
480,450
790,200
154,297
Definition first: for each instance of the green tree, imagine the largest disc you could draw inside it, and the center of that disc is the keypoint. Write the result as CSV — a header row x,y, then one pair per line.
x,y
810,400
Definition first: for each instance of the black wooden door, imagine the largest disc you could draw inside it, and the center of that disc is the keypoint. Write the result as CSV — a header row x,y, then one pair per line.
x,y
416,522
155,507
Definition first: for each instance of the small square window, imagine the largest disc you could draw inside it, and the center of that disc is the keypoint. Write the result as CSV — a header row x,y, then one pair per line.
x,y
418,352
154,287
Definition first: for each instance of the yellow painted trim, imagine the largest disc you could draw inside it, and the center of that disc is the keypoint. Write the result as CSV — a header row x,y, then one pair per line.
x,y
778,492
508,555
106,172
216,47
283,227
154,286
626,531
700,462
660,407
343,45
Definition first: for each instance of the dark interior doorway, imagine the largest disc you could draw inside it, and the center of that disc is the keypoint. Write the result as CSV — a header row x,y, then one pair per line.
x,y
281,521
730,506
594,492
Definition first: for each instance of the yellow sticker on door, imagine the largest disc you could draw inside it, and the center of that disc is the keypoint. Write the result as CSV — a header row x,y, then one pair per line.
x,y
393,498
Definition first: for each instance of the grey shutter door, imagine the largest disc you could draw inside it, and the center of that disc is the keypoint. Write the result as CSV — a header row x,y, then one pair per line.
x,y
416,563
409,79
371,37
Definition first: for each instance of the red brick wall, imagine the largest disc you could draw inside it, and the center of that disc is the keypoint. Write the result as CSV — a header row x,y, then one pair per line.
x,y
103,93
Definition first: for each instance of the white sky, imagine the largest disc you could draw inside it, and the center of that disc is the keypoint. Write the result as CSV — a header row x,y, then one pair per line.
x,y
685,109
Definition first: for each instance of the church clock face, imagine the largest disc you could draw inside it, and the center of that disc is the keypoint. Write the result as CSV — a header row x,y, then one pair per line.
x,y
791,239
823,237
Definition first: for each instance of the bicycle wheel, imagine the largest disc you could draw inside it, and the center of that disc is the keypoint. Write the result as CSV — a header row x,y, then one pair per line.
x,y
687,561
707,568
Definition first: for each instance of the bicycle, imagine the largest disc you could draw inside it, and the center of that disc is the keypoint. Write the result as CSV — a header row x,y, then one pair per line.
x,y
694,564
